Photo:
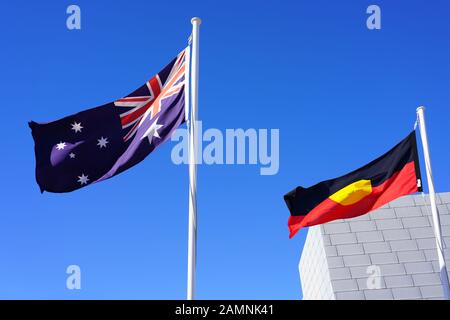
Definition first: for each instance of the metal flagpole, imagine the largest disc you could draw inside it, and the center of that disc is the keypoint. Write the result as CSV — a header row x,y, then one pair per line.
x,y
192,240
434,212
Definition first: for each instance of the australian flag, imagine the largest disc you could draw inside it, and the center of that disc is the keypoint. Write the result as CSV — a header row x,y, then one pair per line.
x,y
99,143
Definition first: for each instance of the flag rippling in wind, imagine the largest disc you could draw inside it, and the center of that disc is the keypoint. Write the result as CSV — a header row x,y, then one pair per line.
x,y
394,174
96,144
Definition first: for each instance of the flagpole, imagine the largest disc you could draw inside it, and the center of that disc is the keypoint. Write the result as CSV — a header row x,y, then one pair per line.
x,y
434,212
192,237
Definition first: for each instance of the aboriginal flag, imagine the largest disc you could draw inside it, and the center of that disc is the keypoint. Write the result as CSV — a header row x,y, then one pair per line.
x,y
394,174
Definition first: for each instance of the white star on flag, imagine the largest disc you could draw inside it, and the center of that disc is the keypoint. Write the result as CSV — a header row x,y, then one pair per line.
x,y
152,131
72,155
83,179
102,142
76,126
60,146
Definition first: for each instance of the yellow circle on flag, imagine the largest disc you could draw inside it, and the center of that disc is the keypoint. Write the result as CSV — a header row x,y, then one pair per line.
x,y
352,193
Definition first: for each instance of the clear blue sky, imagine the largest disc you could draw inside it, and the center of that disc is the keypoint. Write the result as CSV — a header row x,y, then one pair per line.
x,y
340,94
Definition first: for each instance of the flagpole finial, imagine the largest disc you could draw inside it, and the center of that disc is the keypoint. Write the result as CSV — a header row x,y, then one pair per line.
x,y
196,20
420,108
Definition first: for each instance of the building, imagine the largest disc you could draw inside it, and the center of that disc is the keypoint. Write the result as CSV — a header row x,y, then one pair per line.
x,y
389,253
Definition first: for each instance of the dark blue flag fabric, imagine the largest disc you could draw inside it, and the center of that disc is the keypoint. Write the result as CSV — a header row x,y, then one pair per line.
x,y
98,143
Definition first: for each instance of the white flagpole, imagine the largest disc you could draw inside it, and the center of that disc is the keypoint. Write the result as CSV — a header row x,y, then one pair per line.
x,y
192,240
434,212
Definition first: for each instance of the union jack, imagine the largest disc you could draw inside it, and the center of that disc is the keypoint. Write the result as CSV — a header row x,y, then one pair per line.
x,y
147,100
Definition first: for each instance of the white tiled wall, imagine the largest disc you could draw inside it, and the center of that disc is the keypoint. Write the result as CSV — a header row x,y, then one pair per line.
x,y
314,271
397,238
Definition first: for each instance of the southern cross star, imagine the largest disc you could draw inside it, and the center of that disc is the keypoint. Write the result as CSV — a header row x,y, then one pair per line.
x,y
76,126
152,131
60,146
83,179
102,142
72,155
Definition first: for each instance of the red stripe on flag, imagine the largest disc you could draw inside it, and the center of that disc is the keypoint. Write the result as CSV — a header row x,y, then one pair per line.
x,y
131,99
156,90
